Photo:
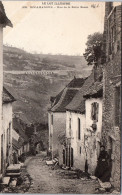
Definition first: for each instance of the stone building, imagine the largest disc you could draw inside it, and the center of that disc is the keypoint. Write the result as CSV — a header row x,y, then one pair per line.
x,y
57,116
112,87
78,133
4,21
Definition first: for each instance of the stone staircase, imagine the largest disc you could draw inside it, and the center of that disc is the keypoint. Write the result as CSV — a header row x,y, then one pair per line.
x,y
13,170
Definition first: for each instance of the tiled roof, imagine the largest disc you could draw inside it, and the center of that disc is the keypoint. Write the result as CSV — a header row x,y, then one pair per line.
x,y
78,102
76,83
7,97
3,18
95,90
56,99
66,95
18,127
16,144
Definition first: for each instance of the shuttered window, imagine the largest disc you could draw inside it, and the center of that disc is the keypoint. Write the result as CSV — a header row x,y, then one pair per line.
x,y
80,150
94,111
79,129
70,126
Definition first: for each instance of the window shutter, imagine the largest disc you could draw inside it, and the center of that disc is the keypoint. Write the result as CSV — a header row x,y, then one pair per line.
x,y
92,107
97,111
79,128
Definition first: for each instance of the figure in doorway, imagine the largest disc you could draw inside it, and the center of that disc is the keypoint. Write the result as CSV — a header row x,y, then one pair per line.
x,y
103,171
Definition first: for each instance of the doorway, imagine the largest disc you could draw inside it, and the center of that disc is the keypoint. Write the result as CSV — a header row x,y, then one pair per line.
x,y
2,158
72,157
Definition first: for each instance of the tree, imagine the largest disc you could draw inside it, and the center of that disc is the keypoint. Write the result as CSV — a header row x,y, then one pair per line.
x,y
93,52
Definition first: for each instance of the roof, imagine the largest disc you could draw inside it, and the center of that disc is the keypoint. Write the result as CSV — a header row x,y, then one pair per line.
x,y
78,102
15,144
3,18
66,95
95,90
76,83
18,127
7,97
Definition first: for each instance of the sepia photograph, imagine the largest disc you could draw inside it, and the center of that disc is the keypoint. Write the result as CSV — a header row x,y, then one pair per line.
x,y
60,97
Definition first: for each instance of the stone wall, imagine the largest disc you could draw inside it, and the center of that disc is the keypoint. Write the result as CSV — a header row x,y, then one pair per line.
x,y
93,138
111,80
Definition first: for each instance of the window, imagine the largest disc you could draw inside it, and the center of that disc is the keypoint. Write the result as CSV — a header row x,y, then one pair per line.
x,y
70,123
94,111
64,156
80,150
79,129
51,119
117,106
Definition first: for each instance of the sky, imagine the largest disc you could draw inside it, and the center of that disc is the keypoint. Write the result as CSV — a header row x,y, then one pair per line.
x,y
52,30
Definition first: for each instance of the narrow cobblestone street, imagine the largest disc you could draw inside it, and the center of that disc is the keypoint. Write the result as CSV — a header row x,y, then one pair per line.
x,y
48,181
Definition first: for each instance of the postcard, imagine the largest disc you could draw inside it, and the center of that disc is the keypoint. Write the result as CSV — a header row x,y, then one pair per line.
x,y
60,97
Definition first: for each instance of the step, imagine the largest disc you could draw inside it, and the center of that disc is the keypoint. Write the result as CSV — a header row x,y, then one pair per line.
x,y
13,168
13,174
5,180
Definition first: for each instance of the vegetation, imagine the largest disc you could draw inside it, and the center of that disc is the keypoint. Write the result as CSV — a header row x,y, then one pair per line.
x,y
94,52
33,92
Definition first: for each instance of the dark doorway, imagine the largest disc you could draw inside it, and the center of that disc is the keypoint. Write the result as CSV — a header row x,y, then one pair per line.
x,y
72,157
66,156
63,156
69,157
2,158
110,152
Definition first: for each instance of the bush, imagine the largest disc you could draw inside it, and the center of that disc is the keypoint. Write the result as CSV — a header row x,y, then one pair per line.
x,y
22,158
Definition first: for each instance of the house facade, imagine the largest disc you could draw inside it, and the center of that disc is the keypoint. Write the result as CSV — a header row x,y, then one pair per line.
x,y
6,133
93,117
111,136
75,128
57,125
4,21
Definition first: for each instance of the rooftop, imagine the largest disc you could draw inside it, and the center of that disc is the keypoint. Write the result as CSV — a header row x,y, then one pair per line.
x,y
16,144
78,102
7,97
66,95
3,18
95,90
18,127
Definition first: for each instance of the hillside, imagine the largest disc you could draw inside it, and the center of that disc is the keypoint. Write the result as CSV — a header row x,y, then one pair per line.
x,y
32,91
